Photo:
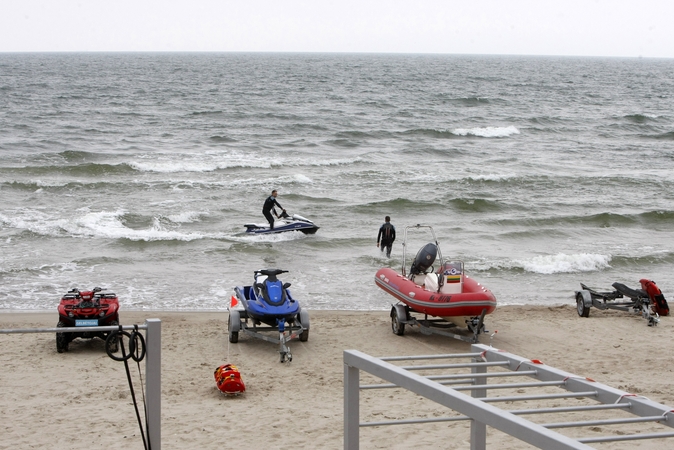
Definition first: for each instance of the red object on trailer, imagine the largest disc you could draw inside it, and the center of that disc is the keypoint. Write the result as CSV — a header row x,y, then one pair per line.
x,y
655,294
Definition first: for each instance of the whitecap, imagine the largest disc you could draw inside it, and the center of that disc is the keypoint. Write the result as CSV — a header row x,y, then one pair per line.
x,y
186,217
491,177
299,178
108,224
563,263
487,131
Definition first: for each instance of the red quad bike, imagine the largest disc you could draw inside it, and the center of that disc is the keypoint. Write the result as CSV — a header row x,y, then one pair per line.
x,y
93,308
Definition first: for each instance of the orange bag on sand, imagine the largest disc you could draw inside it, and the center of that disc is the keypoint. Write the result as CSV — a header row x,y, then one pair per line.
x,y
228,379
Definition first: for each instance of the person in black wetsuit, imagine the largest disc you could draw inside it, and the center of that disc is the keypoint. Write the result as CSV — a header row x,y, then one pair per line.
x,y
387,234
269,207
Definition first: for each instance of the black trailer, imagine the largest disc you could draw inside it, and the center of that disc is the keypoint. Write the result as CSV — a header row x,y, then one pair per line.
x,y
639,301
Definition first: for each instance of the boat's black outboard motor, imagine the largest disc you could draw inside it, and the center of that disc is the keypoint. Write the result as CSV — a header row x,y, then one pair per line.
x,y
424,259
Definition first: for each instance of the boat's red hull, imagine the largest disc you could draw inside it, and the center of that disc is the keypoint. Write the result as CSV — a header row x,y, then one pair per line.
x,y
473,299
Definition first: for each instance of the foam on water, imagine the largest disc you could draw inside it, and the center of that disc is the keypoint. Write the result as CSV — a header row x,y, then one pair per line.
x,y
562,263
188,162
98,224
488,132
187,216
296,178
178,162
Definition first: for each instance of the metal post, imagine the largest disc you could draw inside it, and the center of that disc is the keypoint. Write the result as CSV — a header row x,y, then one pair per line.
x,y
152,329
153,383
351,407
476,409
478,430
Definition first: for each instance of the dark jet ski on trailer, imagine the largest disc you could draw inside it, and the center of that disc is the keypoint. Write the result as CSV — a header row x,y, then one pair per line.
x,y
268,306
284,223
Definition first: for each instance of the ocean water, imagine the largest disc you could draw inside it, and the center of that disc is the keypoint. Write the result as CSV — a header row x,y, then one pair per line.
x,y
136,172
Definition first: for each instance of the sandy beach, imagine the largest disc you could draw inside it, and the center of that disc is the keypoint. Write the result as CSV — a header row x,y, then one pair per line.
x,y
80,399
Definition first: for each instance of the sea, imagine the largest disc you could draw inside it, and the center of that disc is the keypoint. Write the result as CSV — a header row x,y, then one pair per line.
x,y
136,172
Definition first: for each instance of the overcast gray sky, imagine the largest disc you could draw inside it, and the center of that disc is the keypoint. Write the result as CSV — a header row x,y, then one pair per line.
x,y
524,27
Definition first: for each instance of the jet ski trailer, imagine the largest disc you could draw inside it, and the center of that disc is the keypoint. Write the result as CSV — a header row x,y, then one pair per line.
x,y
648,301
269,313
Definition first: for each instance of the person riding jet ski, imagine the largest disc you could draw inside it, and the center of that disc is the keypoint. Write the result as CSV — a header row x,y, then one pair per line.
x,y
269,207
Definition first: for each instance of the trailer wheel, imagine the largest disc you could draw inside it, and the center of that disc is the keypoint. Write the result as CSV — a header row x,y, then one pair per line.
x,y
233,324
397,326
583,310
304,336
304,321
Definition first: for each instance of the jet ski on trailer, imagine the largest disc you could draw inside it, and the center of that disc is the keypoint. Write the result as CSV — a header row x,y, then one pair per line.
x,y
283,224
447,294
269,306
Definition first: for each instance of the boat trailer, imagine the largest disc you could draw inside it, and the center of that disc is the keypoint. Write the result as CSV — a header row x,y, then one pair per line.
x,y
402,315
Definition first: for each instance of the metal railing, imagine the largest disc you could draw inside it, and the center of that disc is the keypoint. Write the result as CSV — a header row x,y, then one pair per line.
x,y
152,329
478,408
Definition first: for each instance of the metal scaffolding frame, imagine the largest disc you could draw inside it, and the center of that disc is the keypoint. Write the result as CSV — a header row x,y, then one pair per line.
x,y
478,407
152,329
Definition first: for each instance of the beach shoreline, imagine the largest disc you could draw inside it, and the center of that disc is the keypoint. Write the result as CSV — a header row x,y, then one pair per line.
x,y
300,404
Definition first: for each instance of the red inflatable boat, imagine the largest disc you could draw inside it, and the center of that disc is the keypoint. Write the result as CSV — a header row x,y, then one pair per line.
x,y
447,294
459,297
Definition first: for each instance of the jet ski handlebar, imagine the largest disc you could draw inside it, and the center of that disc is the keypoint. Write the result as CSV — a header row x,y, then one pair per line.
x,y
270,272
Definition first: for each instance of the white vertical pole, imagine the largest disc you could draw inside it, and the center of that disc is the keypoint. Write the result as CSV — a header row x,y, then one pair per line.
x,y
478,430
351,407
153,383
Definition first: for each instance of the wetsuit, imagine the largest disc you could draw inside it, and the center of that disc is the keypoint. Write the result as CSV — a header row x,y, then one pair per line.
x,y
266,210
387,234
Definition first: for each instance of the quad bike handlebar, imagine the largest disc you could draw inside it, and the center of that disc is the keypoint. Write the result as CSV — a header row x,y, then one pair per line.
x,y
76,291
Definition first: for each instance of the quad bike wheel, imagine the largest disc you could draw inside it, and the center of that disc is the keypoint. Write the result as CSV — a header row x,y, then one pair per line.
x,y
61,339
112,345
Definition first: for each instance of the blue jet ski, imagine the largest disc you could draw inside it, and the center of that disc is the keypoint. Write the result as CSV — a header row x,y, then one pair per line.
x,y
269,306
284,223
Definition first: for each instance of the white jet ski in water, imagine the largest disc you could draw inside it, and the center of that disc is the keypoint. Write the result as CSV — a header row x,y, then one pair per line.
x,y
284,223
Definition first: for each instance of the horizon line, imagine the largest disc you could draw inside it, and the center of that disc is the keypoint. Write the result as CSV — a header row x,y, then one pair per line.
x,y
5,52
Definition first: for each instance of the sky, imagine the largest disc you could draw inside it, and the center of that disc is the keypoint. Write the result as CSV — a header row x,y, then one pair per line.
x,y
615,28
